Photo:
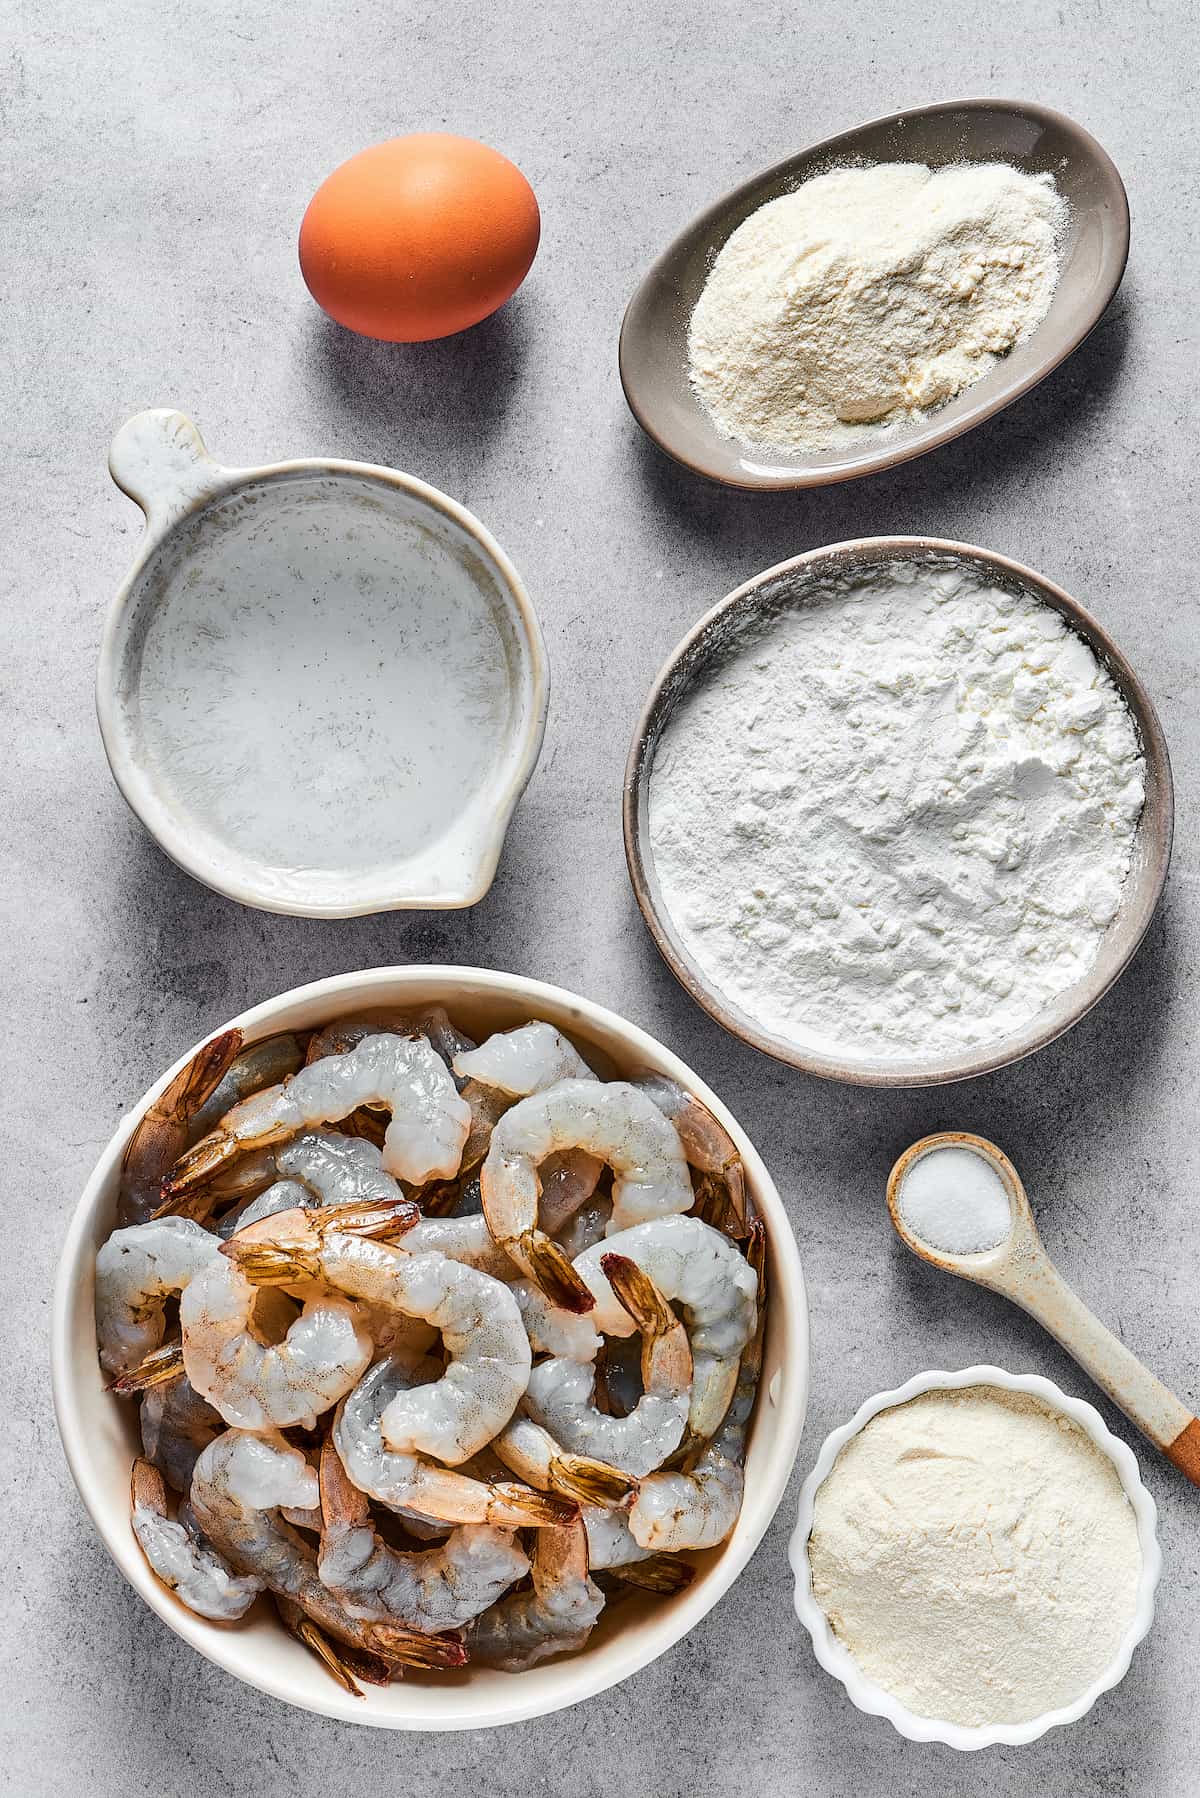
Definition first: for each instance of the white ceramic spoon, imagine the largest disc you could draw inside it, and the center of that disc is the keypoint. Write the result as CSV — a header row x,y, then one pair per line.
x,y
1018,1266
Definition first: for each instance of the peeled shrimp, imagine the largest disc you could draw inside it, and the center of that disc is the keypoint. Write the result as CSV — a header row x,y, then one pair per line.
x,y
240,1485
193,1570
614,1122
522,1061
478,1317
708,1277
424,1138
528,1060
557,1617
429,1589
531,1451
161,1134
407,1482
177,1425
698,1508
561,1395
137,1270
257,1385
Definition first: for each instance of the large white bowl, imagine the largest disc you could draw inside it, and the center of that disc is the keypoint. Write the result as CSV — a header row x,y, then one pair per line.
x,y
836,1658
99,1433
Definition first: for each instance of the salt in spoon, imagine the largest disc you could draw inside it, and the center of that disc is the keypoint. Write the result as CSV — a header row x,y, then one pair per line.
x,y
1009,1258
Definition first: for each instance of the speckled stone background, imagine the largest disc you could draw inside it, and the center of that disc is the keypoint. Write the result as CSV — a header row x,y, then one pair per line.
x,y
156,162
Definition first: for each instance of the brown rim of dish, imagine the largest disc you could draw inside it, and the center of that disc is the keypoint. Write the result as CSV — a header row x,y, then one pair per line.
x,y
719,219
1140,897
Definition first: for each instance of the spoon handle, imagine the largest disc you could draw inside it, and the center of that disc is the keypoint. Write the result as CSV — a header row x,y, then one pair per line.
x,y
1040,1289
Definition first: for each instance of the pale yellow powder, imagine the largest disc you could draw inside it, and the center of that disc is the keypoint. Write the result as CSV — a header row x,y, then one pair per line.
x,y
976,1553
869,296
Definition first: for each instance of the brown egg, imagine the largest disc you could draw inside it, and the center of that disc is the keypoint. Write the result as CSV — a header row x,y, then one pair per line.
x,y
419,237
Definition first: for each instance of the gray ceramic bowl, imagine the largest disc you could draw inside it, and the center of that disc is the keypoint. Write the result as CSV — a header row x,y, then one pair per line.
x,y
653,349
790,584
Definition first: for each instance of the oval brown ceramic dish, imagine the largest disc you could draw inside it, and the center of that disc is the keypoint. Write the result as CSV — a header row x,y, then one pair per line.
x,y
653,347
790,584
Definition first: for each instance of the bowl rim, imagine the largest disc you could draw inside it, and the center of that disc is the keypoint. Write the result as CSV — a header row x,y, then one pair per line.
x,y
919,441
238,876
592,1671
1155,825
836,1659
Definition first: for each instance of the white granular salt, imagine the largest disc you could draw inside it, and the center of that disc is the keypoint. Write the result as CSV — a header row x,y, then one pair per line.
x,y
869,296
954,1200
897,818
975,1552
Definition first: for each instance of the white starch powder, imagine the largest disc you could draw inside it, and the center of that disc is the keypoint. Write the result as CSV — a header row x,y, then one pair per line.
x,y
896,818
869,296
955,1201
976,1553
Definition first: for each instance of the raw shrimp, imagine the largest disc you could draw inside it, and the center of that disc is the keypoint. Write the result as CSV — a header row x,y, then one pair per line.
x,y
428,1589
698,1508
702,1271
557,1617
561,1395
613,1549
256,1384
266,1063
528,1060
478,1317
137,1270
407,1483
530,1451
424,1138
522,1061
706,1143
194,1571
240,1485
614,1122
177,1425
161,1134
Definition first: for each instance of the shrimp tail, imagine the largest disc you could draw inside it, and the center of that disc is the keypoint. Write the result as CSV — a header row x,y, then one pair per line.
x,y
161,1365
548,1266
591,1482
657,1573
638,1295
269,1264
204,1161
537,1510
411,1649
344,1664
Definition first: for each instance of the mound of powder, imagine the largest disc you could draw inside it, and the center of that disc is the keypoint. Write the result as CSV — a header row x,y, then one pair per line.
x,y
896,818
870,295
976,1553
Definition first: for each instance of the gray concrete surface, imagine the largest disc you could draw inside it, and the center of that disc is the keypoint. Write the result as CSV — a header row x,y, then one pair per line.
x,y
157,159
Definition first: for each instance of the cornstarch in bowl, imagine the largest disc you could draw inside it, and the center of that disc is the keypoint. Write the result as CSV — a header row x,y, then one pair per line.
x,y
976,1553
892,810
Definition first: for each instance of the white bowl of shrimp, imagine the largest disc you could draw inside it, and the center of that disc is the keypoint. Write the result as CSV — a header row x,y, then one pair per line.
x,y
525,1598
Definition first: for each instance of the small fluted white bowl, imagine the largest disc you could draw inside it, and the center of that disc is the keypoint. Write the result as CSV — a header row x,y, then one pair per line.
x,y
99,1432
837,1659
